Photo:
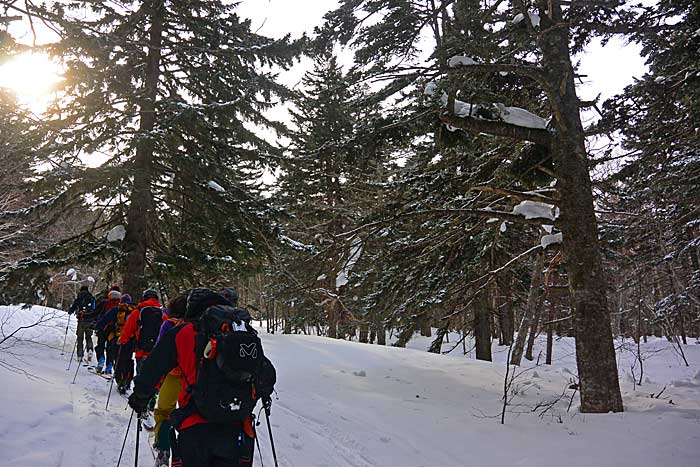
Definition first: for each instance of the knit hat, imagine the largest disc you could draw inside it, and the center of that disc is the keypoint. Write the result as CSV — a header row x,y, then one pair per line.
x,y
126,298
84,288
114,294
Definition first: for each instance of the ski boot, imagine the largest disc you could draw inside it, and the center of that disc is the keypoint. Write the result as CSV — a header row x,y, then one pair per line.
x,y
100,365
162,458
148,422
108,369
89,356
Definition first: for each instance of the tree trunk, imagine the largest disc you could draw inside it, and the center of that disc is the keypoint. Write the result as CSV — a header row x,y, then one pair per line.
x,y
136,241
533,299
364,332
381,332
534,327
506,313
550,334
287,320
425,325
595,353
482,327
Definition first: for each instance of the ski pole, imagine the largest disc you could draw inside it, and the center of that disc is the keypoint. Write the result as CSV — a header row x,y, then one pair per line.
x,y
269,430
257,441
65,336
121,453
71,355
138,430
77,367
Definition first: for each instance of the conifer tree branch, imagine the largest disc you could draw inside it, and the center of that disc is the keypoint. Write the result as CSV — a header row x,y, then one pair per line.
x,y
515,194
497,128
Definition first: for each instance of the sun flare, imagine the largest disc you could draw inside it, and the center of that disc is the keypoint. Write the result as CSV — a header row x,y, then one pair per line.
x,y
32,77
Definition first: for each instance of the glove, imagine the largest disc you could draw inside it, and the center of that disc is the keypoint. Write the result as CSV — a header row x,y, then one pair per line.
x,y
139,402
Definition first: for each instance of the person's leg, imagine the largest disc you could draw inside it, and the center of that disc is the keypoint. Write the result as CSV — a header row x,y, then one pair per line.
x,y
230,446
167,401
111,349
100,348
194,445
88,337
139,364
79,335
125,367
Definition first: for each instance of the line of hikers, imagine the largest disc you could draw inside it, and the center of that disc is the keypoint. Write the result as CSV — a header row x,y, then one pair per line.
x,y
198,359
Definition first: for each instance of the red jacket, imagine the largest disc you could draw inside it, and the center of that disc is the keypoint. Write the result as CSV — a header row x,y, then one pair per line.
x,y
131,327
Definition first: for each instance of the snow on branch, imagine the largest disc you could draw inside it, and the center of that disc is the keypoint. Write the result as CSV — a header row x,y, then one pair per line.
x,y
497,128
536,210
28,210
460,60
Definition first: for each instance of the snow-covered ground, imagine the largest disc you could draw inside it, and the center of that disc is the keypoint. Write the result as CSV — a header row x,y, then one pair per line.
x,y
349,404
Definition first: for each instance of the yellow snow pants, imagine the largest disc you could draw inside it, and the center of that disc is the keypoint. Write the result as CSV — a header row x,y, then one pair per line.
x,y
167,401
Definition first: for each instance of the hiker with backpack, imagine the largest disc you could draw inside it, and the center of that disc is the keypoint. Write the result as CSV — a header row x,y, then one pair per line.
x,y
170,387
104,307
224,374
84,308
143,326
112,323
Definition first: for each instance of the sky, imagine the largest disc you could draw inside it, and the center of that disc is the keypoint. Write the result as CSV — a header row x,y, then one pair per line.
x,y
609,69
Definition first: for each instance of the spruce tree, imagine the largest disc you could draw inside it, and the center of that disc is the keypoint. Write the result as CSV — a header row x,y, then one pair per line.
x,y
324,189
533,48
174,95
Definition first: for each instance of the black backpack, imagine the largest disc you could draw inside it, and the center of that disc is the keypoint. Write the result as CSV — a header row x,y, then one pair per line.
x,y
232,371
150,320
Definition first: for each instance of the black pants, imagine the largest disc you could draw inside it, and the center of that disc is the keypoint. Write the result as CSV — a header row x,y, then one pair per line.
x,y
84,331
210,445
101,344
124,371
112,350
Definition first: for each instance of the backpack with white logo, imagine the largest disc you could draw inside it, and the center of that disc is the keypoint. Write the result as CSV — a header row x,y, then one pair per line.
x,y
230,366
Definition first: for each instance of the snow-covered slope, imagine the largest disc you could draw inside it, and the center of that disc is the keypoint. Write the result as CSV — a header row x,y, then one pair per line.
x,y
348,404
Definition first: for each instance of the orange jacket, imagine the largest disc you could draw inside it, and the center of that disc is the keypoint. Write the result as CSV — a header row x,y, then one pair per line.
x,y
131,327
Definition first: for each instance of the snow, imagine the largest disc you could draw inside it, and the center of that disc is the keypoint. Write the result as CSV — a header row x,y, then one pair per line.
x,y
534,19
512,115
215,186
503,227
534,209
70,273
548,240
460,60
344,404
430,88
117,234
521,117
343,276
295,244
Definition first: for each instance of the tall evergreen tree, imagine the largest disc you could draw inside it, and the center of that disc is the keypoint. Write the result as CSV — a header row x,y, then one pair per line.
x,y
534,48
659,181
173,94
325,189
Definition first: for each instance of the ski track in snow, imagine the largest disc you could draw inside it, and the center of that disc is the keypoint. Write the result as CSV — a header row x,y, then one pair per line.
x,y
344,404
343,447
